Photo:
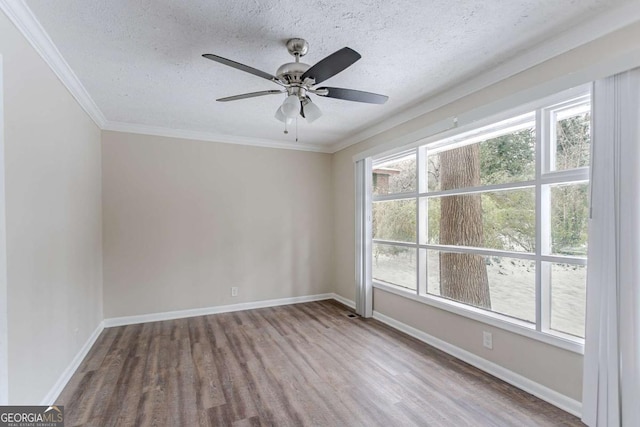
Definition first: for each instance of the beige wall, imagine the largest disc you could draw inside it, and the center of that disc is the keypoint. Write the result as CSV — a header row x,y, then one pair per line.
x,y
186,220
558,369
53,221
540,362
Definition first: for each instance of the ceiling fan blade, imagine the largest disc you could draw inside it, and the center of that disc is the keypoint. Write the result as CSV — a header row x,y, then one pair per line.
x,y
242,67
250,95
353,95
332,65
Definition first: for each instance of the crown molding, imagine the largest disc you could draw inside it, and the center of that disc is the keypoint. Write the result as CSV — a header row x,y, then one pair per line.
x,y
212,137
601,25
24,19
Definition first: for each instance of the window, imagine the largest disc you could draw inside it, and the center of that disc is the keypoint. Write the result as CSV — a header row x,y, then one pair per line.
x,y
493,220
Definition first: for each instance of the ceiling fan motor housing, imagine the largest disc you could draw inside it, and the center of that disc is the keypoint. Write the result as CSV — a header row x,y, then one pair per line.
x,y
291,72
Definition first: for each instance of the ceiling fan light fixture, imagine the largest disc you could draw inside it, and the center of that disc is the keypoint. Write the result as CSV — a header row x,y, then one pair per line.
x,y
311,112
298,80
291,106
281,116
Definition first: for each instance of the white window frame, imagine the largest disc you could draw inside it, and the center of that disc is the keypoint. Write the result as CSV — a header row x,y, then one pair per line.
x,y
542,113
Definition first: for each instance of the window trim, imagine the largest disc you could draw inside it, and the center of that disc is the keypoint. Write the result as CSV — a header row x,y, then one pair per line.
x,y
497,320
541,112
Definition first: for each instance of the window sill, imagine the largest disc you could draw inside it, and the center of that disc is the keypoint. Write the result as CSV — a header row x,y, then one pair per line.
x,y
494,319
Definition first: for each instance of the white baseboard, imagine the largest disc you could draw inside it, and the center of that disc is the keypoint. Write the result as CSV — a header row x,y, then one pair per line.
x,y
343,300
57,388
170,315
553,397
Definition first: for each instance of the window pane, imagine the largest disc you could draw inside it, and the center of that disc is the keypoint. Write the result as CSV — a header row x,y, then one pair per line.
x,y
499,284
568,298
395,220
573,137
502,220
569,219
398,176
499,160
395,265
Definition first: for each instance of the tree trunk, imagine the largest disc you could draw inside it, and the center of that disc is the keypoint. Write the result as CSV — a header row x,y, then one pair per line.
x,y
463,277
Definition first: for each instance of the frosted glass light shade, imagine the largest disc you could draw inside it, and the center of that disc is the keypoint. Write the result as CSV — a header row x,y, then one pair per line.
x,y
280,116
312,112
291,106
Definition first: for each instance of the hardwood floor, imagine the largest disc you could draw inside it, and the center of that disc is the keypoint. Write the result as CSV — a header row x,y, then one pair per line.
x,y
304,364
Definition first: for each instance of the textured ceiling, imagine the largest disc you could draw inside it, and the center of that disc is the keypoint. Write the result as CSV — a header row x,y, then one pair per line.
x,y
141,60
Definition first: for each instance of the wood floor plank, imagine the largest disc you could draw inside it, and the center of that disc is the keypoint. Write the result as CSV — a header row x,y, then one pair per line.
x,y
234,385
210,393
100,349
300,365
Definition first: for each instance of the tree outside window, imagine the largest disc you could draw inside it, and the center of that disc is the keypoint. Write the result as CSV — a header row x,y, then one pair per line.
x,y
482,203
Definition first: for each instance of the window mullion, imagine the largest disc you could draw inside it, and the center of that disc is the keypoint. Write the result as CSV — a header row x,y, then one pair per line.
x,y
419,267
540,164
394,243
545,249
423,218
566,176
479,251
480,189
546,148
393,196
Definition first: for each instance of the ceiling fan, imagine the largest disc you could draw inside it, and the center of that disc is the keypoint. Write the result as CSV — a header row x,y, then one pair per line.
x,y
299,80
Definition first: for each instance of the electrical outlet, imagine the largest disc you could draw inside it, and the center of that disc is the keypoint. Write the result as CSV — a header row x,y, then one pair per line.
x,y
234,291
487,340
